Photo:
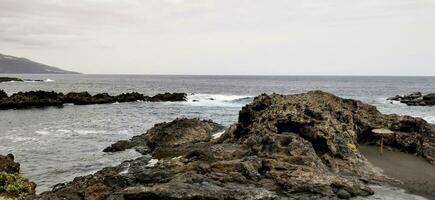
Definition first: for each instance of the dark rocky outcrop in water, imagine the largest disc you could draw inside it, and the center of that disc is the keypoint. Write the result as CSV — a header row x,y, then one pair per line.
x,y
301,146
168,97
12,184
415,99
38,99
9,79
173,134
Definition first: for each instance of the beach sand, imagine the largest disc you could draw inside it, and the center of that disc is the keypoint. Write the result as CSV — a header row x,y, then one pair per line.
x,y
417,175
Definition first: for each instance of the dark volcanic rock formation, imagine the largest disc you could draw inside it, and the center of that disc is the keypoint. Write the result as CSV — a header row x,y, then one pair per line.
x,y
173,134
169,97
8,165
301,146
415,99
12,184
9,79
39,99
3,94
30,99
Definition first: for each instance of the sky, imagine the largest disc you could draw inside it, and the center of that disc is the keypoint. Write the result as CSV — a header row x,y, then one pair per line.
x,y
224,37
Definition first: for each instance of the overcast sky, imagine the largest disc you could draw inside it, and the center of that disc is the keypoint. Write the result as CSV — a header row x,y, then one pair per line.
x,y
279,37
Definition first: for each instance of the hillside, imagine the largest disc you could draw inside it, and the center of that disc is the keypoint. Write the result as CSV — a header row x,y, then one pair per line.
x,y
16,65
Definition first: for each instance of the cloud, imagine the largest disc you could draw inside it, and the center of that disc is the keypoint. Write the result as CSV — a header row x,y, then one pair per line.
x,y
197,34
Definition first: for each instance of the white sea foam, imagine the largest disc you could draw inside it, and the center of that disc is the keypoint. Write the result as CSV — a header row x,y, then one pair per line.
x,y
87,132
42,132
64,131
218,100
152,163
48,80
176,158
21,139
430,119
218,135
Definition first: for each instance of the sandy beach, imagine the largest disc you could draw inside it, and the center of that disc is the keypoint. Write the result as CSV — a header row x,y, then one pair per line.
x,y
417,175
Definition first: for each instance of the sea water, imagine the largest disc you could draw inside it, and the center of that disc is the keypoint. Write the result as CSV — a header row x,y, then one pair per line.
x,y
55,145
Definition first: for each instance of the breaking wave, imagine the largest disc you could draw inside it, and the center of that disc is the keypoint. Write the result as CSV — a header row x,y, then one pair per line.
x,y
219,100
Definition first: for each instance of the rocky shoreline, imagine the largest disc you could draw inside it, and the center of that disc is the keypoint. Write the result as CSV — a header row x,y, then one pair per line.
x,y
415,99
39,99
12,184
303,146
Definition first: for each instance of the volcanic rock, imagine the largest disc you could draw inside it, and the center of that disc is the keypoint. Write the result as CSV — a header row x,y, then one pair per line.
x,y
3,94
302,146
173,134
38,99
9,79
169,97
8,165
12,184
415,99
130,97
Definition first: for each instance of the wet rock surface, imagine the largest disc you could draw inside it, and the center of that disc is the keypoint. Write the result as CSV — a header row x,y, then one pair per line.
x,y
415,99
301,146
38,99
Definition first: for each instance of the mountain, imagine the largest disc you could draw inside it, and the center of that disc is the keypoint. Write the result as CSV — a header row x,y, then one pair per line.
x,y
16,65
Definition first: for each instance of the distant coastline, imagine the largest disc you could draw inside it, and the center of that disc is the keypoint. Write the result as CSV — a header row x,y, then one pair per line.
x,y
15,65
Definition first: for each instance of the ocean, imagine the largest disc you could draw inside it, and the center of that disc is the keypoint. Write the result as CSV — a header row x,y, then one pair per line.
x,y
54,145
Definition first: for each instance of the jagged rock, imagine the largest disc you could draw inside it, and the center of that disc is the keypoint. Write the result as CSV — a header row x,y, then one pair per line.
x,y
395,98
3,94
415,99
173,134
169,97
9,79
301,146
130,97
429,99
37,99
8,165
12,184
77,98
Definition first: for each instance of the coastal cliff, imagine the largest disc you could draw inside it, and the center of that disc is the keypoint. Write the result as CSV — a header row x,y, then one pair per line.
x,y
16,65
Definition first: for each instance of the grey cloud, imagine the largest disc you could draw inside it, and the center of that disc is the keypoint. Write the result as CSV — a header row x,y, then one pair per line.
x,y
210,33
